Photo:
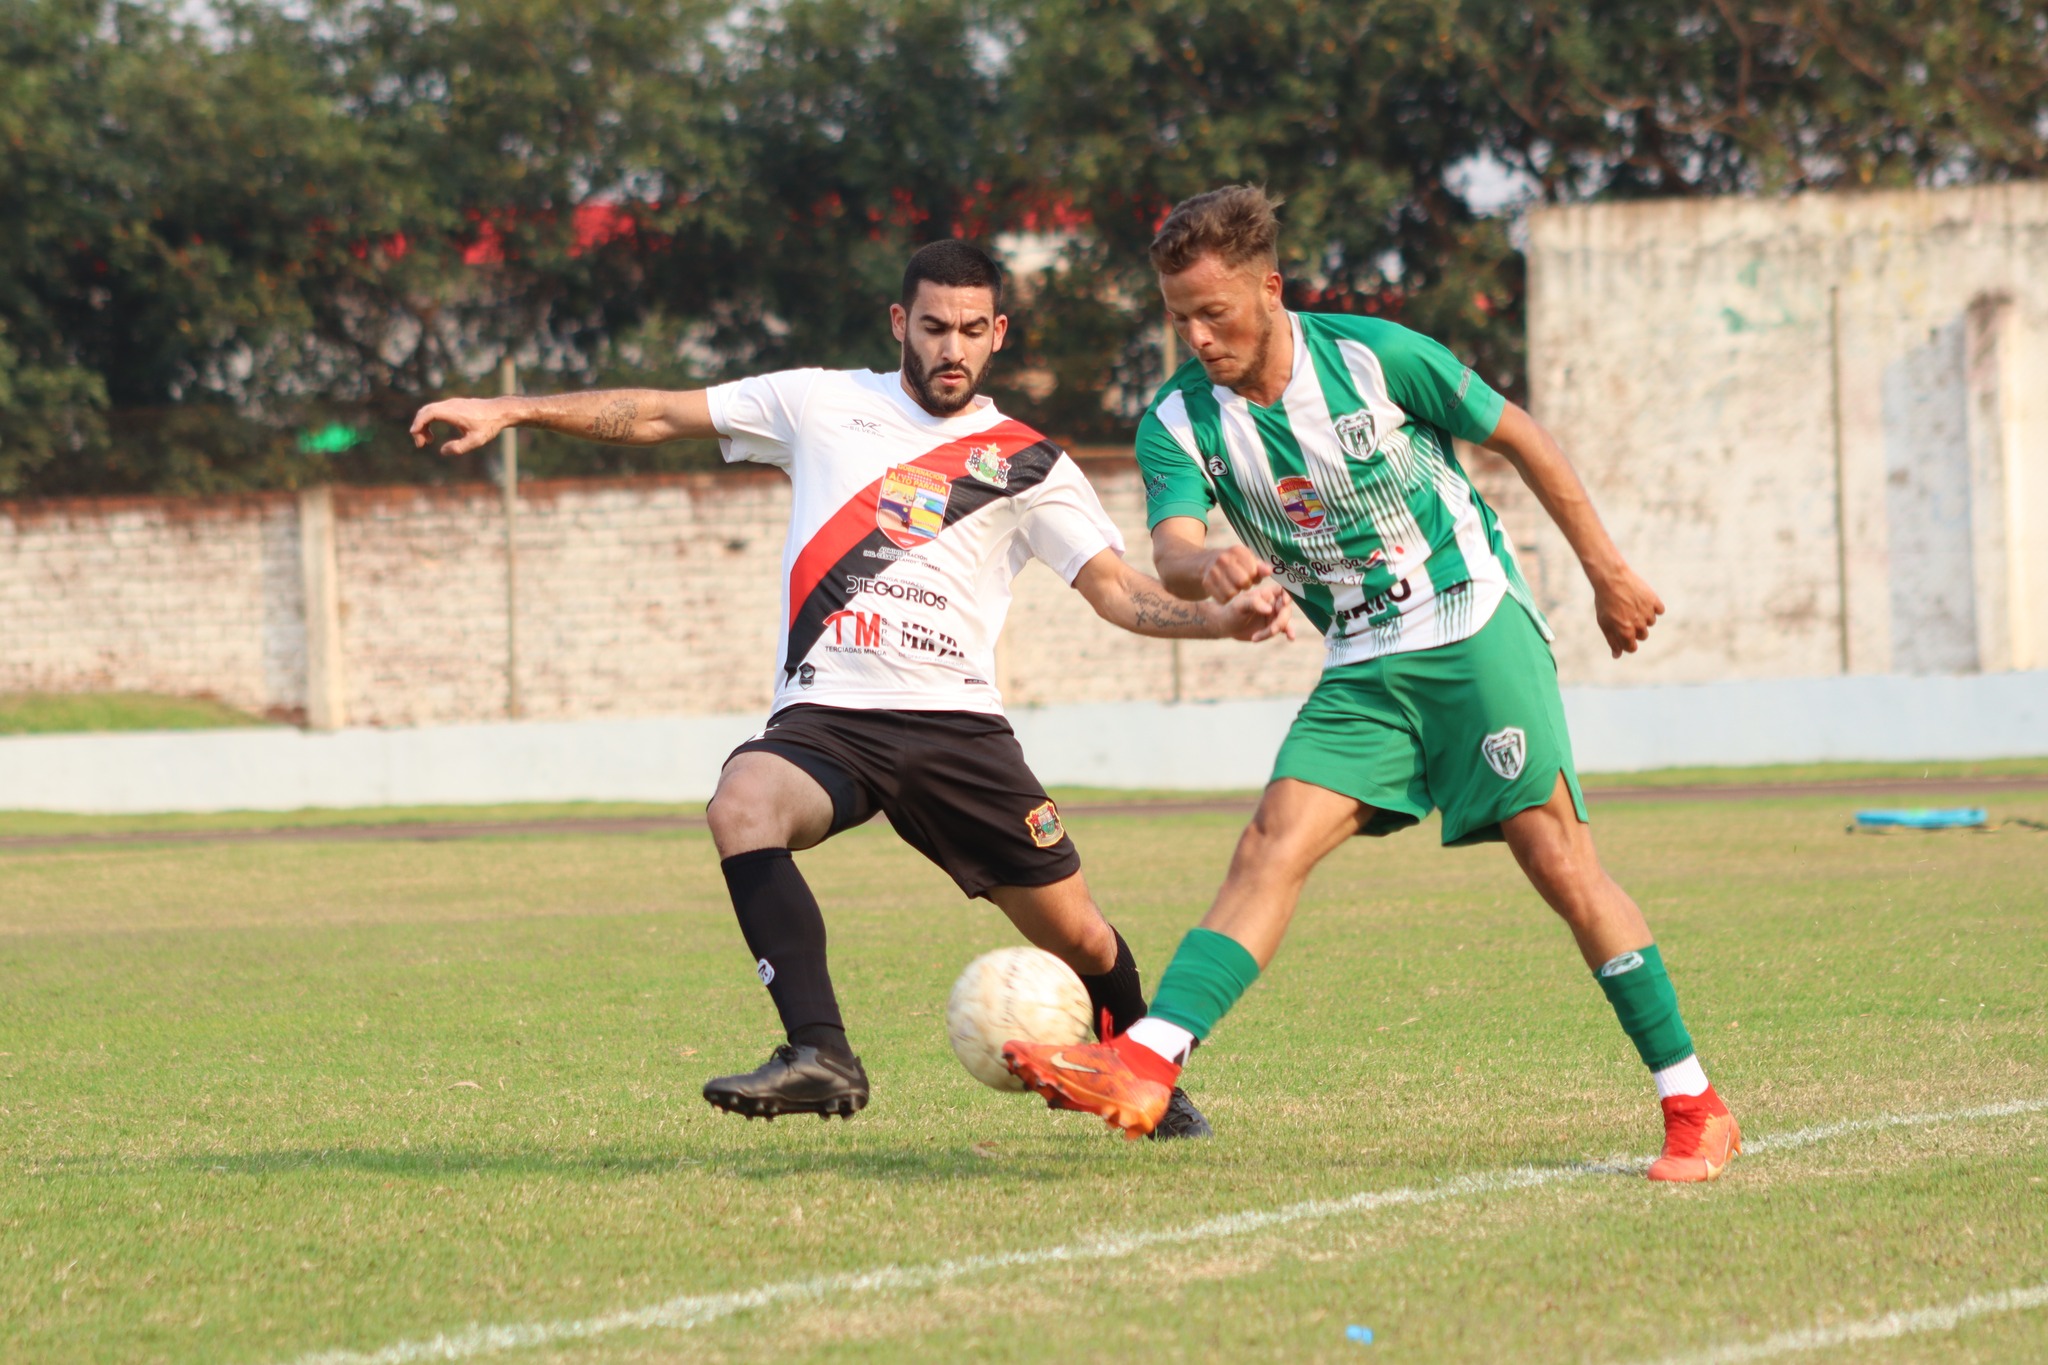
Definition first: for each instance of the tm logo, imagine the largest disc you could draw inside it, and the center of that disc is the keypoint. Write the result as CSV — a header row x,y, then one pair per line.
x,y
867,628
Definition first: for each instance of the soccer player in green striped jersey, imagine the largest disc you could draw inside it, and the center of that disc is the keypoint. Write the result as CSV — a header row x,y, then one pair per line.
x,y
1326,441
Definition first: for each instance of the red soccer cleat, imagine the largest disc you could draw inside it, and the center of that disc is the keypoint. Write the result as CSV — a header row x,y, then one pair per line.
x,y
1128,1084
1700,1138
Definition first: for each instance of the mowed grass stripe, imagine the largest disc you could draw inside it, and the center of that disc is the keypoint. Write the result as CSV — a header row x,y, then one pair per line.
x,y
696,1310
1945,1318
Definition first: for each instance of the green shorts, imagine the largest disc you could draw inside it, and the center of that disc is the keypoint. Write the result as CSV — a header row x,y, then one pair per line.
x,y
1476,728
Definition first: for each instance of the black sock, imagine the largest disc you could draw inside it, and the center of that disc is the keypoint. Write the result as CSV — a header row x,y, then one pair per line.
x,y
786,933
1118,991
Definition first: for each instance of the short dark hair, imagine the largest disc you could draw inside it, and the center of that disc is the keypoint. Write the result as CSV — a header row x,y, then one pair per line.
x,y
953,264
1236,224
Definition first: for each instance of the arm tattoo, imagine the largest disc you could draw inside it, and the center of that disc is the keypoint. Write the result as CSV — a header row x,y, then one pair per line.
x,y
1158,612
615,420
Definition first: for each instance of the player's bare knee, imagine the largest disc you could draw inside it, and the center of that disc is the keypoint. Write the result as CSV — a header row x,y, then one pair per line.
x,y
1269,850
741,822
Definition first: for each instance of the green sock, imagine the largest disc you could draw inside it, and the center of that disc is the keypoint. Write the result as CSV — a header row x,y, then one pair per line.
x,y
1636,985
1208,973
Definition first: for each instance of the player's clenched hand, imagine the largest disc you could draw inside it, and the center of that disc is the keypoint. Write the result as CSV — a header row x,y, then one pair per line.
x,y
1231,570
476,420
1259,613
1626,607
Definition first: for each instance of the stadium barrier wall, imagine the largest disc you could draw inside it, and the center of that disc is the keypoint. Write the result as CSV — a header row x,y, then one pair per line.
x,y
1191,746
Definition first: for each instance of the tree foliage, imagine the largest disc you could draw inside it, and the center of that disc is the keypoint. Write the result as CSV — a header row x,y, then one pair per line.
x,y
215,239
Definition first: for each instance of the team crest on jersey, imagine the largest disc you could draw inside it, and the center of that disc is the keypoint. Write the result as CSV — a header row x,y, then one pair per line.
x,y
1302,504
1506,751
987,464
1044,824
911,507
1358,434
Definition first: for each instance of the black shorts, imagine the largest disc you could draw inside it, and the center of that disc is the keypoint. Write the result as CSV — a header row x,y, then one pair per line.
x,y
953,783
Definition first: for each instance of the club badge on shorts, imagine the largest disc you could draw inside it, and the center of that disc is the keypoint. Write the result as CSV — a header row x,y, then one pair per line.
x,y
1506,751
1302,504
1044,824
910,507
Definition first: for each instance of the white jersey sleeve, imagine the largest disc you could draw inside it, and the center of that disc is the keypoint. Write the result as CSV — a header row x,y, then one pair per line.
x,y
758,418
1063,521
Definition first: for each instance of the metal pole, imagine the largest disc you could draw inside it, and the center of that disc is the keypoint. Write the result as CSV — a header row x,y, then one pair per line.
x,y
508,482
1841,470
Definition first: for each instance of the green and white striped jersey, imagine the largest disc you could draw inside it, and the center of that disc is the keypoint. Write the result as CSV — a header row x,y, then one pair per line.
x,y
1348,486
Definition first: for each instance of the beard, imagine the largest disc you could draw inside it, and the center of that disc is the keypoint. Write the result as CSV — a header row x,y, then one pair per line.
x,y
934,400
1255,364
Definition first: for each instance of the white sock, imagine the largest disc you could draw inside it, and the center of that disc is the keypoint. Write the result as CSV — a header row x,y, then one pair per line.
x,y
1170,1041
1685,1078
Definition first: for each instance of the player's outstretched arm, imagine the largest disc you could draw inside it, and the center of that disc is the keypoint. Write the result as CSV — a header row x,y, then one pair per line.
x,y
1190,569
633,417
1625,604
1141,604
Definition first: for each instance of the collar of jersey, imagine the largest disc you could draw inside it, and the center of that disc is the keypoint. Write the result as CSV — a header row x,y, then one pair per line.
x,y
978,417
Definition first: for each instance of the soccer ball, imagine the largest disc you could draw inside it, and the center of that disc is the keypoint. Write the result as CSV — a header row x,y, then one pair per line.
x,y
1020,993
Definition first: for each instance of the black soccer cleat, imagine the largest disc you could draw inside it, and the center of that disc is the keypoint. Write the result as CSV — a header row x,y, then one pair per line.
x,y
1181,1120
794,1080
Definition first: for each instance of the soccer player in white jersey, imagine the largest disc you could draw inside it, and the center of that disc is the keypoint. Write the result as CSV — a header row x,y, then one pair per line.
x,y
1327,443
915,504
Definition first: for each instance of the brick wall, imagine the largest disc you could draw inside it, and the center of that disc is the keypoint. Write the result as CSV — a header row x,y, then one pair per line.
x,y
180,595
641,596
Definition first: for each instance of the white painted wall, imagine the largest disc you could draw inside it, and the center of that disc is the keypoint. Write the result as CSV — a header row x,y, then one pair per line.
x,y
1196,746
1816,425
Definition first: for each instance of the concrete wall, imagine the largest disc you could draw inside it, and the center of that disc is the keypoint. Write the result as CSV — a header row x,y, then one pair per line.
x,y
1817,425
1194,746
637,597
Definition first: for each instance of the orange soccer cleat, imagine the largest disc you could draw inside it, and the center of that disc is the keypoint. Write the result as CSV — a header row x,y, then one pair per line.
x,y
1700,1138
1127,1083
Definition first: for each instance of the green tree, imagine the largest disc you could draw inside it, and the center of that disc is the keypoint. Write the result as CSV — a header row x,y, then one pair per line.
x,y
1356,114
1647,97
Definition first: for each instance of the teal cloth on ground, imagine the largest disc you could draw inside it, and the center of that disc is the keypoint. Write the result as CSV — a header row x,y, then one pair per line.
x,y
1638,987
1953,817
1208,973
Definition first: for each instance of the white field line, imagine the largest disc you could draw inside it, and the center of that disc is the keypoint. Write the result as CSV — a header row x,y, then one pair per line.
x,y
695,1310
1943,1319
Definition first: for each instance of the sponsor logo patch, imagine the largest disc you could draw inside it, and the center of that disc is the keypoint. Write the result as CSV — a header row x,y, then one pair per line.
x,y
914,593
1358,433
987,464
1302,504
856,630
1615,966
764,971
1217,469
1506,751
910,509
1044,824
922,639
806,675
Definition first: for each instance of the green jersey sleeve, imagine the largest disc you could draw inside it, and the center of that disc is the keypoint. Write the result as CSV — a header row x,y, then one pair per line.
x,y
1174,483
1432,384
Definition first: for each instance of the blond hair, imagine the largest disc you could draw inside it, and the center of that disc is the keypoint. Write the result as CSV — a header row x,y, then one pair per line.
x,y
1236,224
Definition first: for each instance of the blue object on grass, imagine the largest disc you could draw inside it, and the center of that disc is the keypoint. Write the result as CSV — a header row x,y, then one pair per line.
x,y
1361,1335
1955,817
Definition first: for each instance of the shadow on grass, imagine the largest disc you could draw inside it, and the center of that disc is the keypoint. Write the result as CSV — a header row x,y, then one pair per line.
x,y
901,1165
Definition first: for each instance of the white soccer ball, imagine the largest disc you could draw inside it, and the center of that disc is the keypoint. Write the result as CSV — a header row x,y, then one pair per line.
x,y
1020,993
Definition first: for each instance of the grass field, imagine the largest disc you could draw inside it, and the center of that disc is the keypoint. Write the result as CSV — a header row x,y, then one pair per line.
x,y
265,1100
39,713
